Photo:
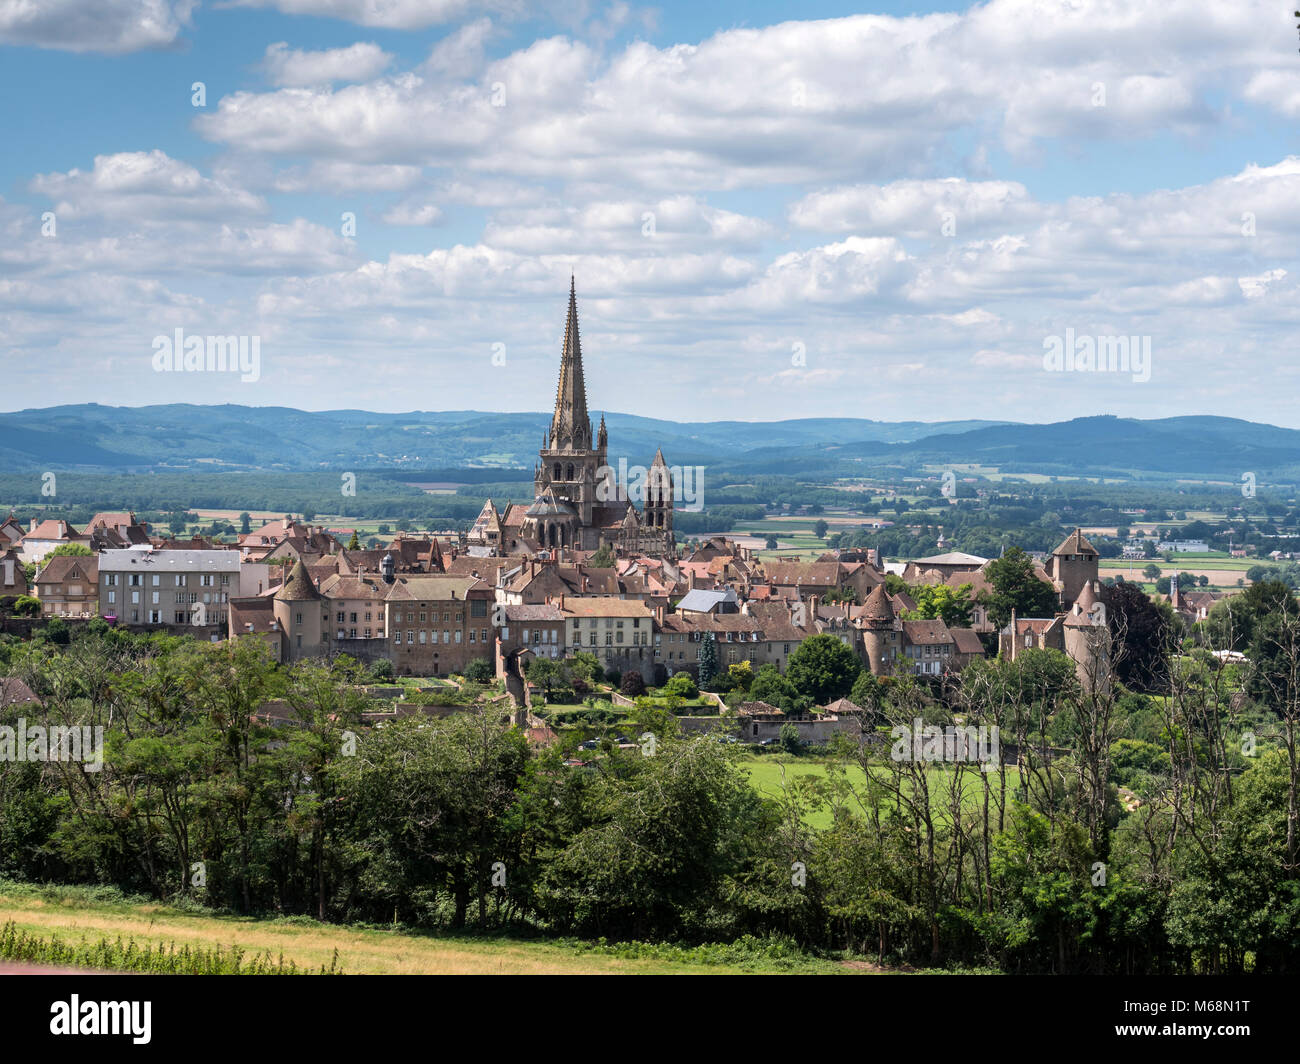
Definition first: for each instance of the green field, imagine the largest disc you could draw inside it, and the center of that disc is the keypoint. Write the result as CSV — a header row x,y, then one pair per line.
x,y
75,914
769,773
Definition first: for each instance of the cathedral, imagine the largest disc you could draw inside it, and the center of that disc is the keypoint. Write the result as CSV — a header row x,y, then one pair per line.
x,y
579,503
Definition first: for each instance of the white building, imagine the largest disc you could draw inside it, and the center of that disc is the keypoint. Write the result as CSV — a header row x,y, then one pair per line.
x,y
141,585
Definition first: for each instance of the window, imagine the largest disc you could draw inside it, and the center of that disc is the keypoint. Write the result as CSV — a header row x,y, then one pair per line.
x,y
156,579
484,635
397,637
205,580
340,617
112,597
353,618
471,635
299,618
433,636
410,637
478,608
110,580
135,579
135,598
458,635
423,633
181,579
155,597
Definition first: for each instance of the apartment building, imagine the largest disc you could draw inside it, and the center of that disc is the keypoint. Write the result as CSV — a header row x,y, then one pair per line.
x,y
143,586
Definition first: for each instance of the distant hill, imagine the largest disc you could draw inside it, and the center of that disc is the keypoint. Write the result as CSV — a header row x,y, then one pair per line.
x,y
187,437
177,437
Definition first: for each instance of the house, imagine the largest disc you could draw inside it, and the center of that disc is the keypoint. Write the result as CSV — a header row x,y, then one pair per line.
x,y
13,577
68,586
45,535
175,588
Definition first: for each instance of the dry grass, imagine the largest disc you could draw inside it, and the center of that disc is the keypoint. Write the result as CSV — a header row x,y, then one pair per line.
x,y
311,946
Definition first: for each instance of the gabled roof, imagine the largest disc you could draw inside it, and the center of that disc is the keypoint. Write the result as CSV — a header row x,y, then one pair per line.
x,y
1076,543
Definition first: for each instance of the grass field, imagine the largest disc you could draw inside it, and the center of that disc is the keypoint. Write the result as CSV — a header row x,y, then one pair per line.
x,y
770,772
74,913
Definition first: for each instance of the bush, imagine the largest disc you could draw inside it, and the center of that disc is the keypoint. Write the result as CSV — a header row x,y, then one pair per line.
x,y
381,670
790,739
27,606
480,671
682,686
633,686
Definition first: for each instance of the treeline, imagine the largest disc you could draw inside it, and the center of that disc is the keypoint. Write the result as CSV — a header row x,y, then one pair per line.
x,y
1109,831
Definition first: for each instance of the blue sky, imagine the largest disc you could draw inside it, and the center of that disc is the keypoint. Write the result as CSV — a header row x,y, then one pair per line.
x,y
772,210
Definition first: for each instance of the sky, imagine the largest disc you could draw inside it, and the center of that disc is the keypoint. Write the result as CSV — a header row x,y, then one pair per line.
x,y
894,211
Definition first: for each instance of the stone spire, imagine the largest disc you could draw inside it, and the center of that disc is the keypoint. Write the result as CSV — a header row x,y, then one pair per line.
x,y
570,424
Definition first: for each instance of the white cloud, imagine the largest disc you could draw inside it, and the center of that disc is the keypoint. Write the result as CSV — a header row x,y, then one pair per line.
x,y
389,14
790,102
111,26
413,214
357,62
147,186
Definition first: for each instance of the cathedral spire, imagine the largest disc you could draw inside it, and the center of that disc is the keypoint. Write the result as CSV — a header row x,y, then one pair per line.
x,y
570,425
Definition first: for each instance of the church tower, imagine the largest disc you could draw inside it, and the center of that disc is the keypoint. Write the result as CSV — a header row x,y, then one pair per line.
x,y
659,497
569,465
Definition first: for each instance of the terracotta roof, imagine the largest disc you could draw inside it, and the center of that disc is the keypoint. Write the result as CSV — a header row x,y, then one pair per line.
x,y
922,633
52,529
1075,543
967,640
59,569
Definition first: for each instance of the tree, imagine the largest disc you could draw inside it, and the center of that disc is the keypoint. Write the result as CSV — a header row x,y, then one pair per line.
x,y
941,602
708,659
776,690
27,606
245,523
480,671
823,668
820,529
603,558
790,743
1144,633
633,685
1151,572
1017,586
680,685
381,670
74,550
742,675
770,543
354,543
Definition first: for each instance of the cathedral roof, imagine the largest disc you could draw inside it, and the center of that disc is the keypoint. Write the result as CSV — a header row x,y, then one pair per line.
x,y
570,424
548,504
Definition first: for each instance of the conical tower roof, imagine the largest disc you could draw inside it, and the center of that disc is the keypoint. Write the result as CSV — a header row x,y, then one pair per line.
x,y
570,424
878,608
299,586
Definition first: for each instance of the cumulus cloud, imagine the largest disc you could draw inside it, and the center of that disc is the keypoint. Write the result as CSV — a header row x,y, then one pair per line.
x,y
358,62
789,102
146,186
110,26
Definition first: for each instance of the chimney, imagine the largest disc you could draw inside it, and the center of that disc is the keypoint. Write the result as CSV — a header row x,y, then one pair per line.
x,y
561,600
690,580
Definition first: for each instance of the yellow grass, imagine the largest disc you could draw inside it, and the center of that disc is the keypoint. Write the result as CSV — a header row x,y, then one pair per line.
x,y
311,946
